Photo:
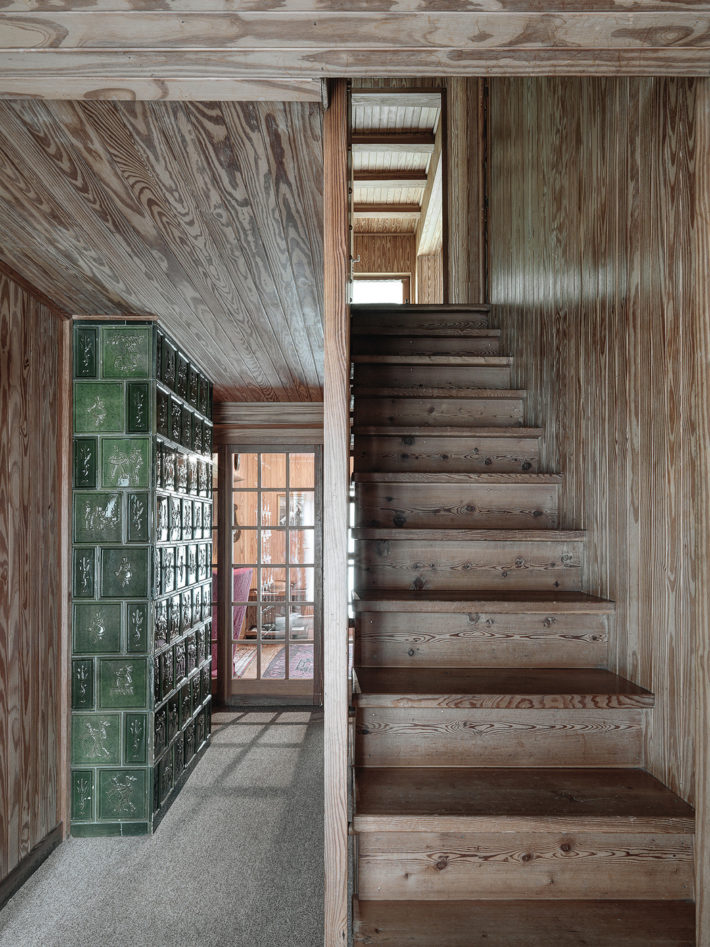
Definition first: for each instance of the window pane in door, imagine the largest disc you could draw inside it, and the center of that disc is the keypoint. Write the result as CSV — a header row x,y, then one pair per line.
x,y
245,507
273,508
301,622
300,665
273,471
302,584
302,471
245,549
302,546
301,508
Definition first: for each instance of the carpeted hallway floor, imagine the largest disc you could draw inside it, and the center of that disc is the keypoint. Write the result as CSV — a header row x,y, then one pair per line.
x,y
237,861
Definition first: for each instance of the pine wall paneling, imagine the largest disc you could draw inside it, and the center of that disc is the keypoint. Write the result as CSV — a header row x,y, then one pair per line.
x,y
592,281
385,253
32,672
430,278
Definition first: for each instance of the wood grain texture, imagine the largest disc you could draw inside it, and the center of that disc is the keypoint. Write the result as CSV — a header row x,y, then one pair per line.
x,y
384,253
336,471
206,215
430,278
592,280
701,459
31,557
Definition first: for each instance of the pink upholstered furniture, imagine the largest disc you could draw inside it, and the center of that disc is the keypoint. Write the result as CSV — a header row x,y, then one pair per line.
x,y
241,585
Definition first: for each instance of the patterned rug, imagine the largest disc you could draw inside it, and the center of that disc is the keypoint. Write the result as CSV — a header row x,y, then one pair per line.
x,y
300,664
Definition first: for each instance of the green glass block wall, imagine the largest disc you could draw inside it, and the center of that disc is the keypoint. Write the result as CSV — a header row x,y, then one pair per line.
x,y
142,533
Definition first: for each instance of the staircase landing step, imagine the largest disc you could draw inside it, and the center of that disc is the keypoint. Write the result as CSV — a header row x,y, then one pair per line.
x,y
419,391
524,923
450,799
443,477
419,432
497,361
501,688
398,600
472,535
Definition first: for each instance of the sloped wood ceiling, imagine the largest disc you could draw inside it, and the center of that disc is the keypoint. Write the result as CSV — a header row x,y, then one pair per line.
x,y
207,215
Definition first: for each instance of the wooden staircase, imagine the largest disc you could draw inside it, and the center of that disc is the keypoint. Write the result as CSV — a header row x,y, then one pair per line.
x,y
499,791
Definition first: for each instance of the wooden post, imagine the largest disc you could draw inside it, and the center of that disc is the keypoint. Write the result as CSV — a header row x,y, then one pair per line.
x,y
336,437
465,247
701,254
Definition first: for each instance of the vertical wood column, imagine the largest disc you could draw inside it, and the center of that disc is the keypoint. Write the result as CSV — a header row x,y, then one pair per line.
x,y
701,235
336,436
464,243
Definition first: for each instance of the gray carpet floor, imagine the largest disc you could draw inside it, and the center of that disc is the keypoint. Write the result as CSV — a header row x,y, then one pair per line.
x,y
236,862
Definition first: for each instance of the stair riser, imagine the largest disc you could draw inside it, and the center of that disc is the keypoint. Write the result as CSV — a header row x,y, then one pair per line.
x,y
408,639
462,506
531,865
446,454
469,564
432,376
422,345
484,737
421,322
447,412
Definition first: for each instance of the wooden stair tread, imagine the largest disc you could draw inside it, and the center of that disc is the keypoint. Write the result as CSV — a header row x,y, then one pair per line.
x,y
526,688
439,431
514,792
471,535
524,923
405,333
417,308
396,600
499,361
391,392
444,478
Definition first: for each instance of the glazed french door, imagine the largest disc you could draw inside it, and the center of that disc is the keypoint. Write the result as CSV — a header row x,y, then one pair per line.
x,y
272,619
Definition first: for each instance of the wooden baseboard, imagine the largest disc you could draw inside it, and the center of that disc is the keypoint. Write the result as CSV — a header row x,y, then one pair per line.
x,y
29,864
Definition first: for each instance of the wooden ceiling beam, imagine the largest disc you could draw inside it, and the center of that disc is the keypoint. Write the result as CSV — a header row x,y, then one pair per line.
x,y
390,178
395,98
386,211
393,142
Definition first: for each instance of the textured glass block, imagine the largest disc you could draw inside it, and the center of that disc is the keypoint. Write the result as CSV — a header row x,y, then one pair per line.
x,y
122,794
174,616
185,612
178,760
158,465
84,573
160,733
169,458
202,562
181,377
186,435
197,429
173,717
124,573
138,518
198,647
202,484
167,569
97,518
157,680
181,473
137,631
98,407
197,520
191,651
163,413
180,567
122,683
165,776
135,748
207,439
85,462
82,795
175,420
189,742
125,462
180,657
193,387
95,738
193,475
187,519
82,684
161,519
138,408
168,373
127,351
175,520
159,342
97,628
167,673
191,564
85,351
204,683
204,395
161,624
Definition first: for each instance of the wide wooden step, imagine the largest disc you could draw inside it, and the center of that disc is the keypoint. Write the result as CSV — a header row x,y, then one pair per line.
x,y
410,449
477,342
505,688
516,800
453,559
429,376
419,320
424,629
461,500
499,361
524,923
489,407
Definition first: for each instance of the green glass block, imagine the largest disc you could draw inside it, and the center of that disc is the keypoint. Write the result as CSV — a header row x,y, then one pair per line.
x,y
85,462
122,794
97,518
95,738
98,407
138,408
125,461
181,377
162,414
186,435
138,518
85,352
169,357
193,386
135,748
127,351
97,628
122,683
84,573
82,684
82,795
124,573
137,632
165,776
175,420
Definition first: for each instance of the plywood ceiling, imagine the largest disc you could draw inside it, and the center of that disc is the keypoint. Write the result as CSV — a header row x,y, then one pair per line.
x,y
207,215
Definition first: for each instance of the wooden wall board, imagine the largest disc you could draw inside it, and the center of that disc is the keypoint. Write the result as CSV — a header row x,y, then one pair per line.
x,y
183,89
384,253
430,278
701,460
592,281
336,475
31,687
162,209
